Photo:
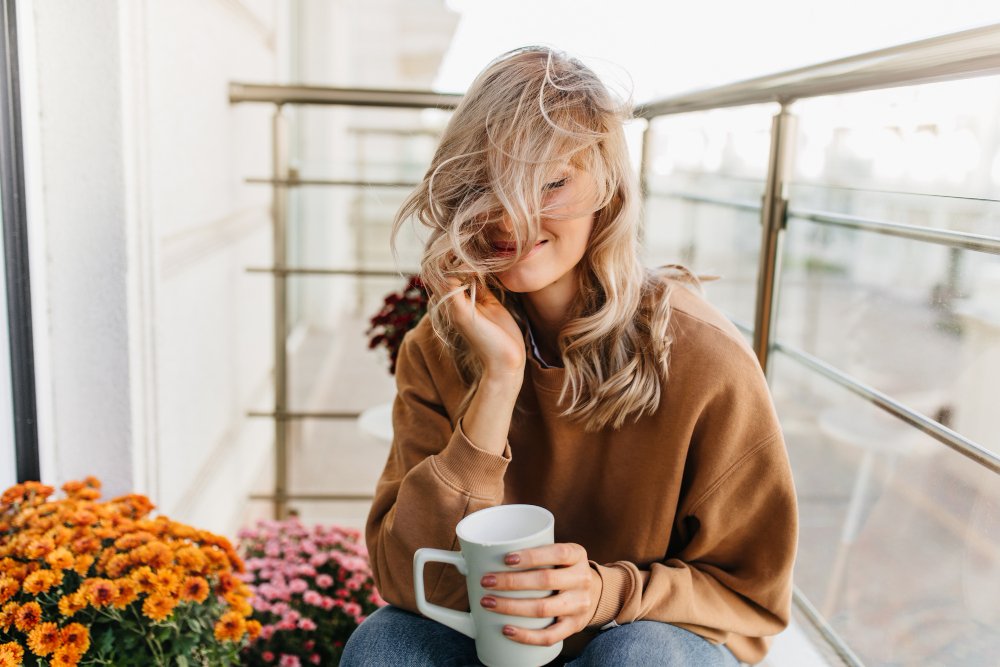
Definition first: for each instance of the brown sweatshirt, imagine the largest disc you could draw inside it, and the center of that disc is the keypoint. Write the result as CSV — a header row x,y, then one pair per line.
x,y
689,515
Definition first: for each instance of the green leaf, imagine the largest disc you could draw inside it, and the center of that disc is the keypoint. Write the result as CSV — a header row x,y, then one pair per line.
x,y
106,640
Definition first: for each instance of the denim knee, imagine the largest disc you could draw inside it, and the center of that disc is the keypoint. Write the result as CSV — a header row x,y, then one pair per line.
x,y
393,636
653,643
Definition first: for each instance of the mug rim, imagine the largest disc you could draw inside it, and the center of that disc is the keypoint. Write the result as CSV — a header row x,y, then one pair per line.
x,y
497,508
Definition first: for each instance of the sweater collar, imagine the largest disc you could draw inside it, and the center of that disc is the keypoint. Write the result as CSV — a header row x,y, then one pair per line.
x,y
545,376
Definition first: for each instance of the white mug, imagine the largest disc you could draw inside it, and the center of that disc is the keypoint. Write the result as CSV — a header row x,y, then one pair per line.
x,y
486,537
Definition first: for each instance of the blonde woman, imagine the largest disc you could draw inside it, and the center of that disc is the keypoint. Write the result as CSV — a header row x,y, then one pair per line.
x,y
554,369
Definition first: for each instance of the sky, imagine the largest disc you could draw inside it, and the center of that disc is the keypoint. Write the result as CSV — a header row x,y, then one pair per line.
x,y
654,49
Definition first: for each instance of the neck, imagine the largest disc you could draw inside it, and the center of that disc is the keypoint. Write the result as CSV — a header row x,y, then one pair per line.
x,y
548,310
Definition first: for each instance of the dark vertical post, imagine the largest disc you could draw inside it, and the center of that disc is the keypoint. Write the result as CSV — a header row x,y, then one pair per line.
x,y
772,216
15,244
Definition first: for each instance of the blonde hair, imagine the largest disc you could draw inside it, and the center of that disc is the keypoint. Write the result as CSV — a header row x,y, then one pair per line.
x,y
530,111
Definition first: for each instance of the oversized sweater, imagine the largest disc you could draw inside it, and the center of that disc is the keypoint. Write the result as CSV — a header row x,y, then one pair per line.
x,y
689,515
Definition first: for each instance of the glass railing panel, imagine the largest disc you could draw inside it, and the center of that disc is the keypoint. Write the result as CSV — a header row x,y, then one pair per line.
x,y
861,153
712,242
364,143
341,228
705,178
917,321
899,544
344,226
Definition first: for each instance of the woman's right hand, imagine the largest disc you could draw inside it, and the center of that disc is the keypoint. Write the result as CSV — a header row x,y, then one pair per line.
x,y
492,333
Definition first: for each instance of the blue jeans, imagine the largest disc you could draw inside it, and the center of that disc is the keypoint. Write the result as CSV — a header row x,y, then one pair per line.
x,y
392,636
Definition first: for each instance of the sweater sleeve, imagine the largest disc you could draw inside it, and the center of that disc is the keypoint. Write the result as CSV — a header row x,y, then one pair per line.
x,y
433,478
732,580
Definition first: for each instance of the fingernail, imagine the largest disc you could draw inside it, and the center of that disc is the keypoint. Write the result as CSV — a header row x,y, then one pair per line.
x,y
489,580
512,559
489,603
509,631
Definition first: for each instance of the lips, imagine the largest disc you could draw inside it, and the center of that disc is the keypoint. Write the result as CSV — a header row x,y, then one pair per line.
x,y
505,247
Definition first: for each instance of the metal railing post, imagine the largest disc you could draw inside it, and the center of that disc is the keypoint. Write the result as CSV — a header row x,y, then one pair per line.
x,y
280,228
774,205
647,137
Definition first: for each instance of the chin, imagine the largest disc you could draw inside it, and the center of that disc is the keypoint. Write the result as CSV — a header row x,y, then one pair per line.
x,y
523,284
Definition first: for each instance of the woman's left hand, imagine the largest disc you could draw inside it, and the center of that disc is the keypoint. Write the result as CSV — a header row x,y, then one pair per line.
x,y
576,584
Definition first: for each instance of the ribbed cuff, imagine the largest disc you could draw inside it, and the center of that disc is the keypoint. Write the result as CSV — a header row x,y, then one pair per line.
x,y
471,469
616,584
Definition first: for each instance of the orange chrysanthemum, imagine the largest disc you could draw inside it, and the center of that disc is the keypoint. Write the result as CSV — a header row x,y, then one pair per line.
x,y
128,591
194,588
39,548
72,603
239,604
8,588
41,581
118,565
83,517
227,583
72,486
134,505
231,627
82,564
121,556
60,559
8,614
104,558
253,629
65,657
15,570
144,578
132,540
28,616
44,639
191,558
158,607
76,636
100,592
11,654
87,543
167,583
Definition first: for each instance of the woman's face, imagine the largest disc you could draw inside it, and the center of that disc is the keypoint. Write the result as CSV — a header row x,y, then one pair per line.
x,y
562,241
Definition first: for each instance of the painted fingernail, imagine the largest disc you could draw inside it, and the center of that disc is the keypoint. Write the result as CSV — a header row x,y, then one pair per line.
x,y
489,580
509,631
512,559
489,603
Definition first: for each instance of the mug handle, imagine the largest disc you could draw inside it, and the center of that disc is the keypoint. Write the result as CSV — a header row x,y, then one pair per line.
x,y
456,620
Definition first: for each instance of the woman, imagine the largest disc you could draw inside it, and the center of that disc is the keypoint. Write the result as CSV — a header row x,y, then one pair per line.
x,y
553,369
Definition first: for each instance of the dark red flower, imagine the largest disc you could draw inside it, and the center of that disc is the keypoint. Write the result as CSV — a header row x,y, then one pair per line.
x,y
400,313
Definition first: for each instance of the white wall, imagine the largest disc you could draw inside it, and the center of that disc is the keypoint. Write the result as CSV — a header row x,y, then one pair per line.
x,y
73,120
152,341
213,351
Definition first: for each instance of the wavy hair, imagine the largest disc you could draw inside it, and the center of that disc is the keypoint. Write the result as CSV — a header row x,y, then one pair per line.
x,y
530,111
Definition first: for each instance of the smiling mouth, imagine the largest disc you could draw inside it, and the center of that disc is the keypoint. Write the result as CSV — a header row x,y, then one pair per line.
x,y
502,248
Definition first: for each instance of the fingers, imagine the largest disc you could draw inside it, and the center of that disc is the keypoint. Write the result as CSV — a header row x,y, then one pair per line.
x,y
545,579
565,553
561,629
457,299
470,286
564,568
567,603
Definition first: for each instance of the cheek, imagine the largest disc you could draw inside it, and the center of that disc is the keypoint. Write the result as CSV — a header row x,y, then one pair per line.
x,y
580,238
